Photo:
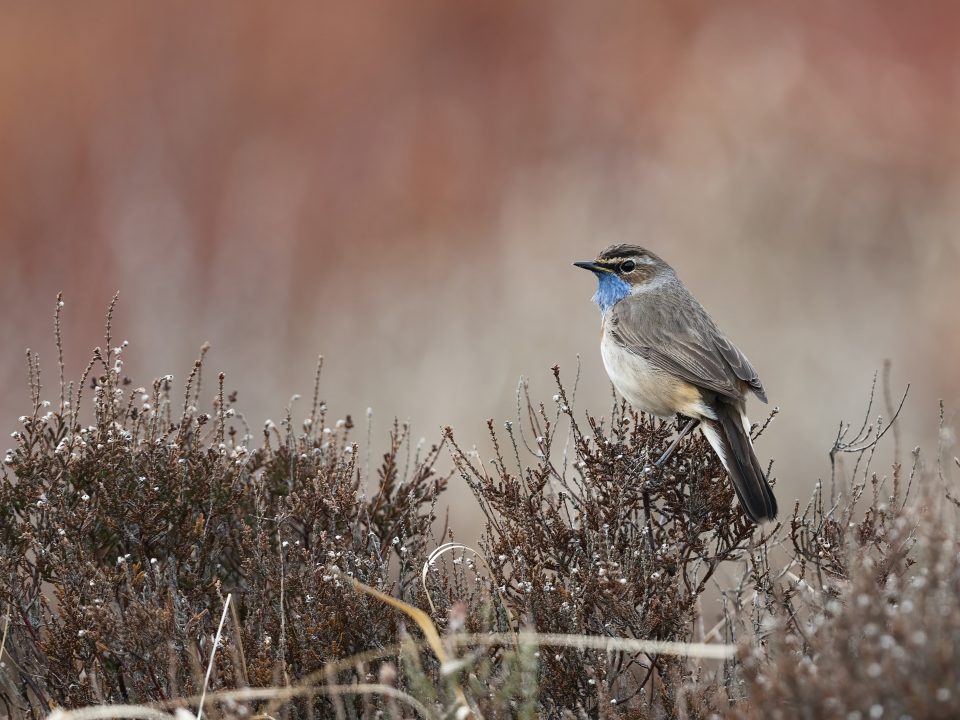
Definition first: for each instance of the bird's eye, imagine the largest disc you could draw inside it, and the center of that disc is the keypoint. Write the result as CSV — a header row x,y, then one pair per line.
x,y
628,266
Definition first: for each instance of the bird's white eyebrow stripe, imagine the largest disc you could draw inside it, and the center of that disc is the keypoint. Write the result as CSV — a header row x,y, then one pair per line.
x,y
643,259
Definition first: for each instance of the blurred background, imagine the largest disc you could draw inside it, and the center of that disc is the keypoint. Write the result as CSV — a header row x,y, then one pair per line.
x,y
402,187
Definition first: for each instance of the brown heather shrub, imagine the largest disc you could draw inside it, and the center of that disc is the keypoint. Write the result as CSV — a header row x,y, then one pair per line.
x,y
138,531
122,538
869,626
589,539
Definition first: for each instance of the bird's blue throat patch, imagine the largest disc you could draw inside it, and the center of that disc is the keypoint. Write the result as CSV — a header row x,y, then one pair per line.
x,y
610,290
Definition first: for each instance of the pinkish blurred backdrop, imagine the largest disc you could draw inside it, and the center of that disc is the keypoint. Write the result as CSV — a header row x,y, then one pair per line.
x,y
403,186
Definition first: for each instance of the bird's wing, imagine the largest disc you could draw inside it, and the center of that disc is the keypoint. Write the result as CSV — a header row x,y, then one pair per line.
x,y
740,365
677,335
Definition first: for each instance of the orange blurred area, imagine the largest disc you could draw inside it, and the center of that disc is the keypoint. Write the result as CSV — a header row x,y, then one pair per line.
x,y
403,186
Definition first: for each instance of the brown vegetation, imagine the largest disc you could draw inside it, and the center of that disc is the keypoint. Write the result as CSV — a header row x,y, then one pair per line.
x,y
154,552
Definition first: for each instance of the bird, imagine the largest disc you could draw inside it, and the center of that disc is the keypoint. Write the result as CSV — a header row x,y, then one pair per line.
x,y
666,356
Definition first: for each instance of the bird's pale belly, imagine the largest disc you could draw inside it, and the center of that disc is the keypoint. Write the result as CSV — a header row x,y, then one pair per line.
x,y
647,387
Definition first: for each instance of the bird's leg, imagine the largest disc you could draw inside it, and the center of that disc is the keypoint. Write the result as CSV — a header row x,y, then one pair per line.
x,y
691,424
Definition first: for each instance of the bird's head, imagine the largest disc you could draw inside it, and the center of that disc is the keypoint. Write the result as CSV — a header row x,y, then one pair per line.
x,y
622,270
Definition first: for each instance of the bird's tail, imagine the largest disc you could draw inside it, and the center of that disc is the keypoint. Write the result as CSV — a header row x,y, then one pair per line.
x,y
729,435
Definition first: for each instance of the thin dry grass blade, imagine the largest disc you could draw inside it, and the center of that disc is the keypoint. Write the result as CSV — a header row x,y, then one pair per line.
x,y
707,651
416,614
429,631
213,654
146,712
95,712
6,627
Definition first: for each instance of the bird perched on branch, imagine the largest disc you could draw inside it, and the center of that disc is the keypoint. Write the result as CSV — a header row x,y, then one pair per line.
x,y
666,356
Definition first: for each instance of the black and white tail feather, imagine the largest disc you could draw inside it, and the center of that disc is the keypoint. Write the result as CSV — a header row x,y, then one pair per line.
x,y
729,435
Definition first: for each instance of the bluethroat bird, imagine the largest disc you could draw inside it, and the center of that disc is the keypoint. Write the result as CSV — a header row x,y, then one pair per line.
x,y
667,357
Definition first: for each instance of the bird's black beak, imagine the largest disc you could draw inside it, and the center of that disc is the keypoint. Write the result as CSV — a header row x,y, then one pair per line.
x,y
591,266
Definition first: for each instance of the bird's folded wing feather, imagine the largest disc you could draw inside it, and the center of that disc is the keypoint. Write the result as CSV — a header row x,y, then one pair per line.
x,y
680,338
